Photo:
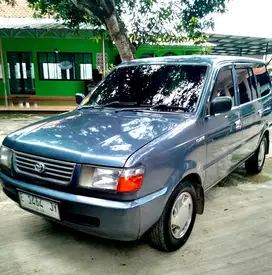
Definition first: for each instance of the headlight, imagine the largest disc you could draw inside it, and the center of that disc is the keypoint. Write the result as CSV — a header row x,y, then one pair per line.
x,y
120,180
5,156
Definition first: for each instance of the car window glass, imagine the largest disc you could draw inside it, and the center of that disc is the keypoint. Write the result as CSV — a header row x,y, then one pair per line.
x,y
263,80
252,83
243,85
224,84
152,85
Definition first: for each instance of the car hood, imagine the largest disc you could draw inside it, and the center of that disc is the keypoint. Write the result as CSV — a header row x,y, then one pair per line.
x,y
98,137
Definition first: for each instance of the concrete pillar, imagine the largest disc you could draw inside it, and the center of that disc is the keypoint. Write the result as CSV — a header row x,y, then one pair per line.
x,y
3,74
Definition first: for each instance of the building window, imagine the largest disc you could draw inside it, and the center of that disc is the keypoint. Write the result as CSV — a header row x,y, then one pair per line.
x,y
169,54
147,55
21,73
65,66
100,60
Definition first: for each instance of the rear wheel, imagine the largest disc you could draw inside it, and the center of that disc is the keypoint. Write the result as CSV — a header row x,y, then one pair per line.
x,y
176,223
255,164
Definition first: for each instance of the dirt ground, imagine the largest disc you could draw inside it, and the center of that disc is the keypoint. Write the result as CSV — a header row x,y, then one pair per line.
x,y
234,236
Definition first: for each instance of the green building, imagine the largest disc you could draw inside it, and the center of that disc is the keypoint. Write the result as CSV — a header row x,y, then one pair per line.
x,y
43,60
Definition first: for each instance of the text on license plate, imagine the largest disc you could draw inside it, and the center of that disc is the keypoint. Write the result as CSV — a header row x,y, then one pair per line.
x,y
37,204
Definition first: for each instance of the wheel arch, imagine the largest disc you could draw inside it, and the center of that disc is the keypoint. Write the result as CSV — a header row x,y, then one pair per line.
x,y
195,180
266,134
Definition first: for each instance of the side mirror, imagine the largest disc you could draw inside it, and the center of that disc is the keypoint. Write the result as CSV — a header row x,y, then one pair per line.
x,y
221,104
79,97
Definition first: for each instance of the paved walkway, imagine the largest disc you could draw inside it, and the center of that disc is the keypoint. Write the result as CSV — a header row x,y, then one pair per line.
x,y
46,108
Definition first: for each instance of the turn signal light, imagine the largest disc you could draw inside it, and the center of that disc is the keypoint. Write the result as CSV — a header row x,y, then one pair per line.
x,y
130,180
131,184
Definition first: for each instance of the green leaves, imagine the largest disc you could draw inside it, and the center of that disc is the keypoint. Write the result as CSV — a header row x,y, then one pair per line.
x,y
142,21
194,17
10,2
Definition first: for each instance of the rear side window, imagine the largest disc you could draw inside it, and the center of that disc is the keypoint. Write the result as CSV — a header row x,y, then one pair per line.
x,y
245,93
263,79
252,84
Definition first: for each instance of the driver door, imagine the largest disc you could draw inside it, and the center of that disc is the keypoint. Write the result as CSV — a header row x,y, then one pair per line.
x,y
223,131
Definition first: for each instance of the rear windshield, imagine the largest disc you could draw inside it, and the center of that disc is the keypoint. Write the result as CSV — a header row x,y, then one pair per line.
x,y
151,85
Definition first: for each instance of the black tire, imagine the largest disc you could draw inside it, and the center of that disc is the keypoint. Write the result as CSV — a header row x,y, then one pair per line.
x,y
252,164
160,235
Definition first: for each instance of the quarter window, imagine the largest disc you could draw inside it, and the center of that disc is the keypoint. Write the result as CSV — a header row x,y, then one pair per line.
x,y
65,66
263,80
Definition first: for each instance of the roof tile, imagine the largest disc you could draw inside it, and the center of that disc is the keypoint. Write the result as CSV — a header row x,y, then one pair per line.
x,y
19,10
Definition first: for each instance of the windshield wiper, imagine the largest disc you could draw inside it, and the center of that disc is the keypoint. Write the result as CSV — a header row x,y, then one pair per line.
x,y
159,107
120,104
88,106
132,107
111,104
167,107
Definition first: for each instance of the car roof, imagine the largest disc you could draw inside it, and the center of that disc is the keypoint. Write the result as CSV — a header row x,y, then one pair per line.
x,y
194,59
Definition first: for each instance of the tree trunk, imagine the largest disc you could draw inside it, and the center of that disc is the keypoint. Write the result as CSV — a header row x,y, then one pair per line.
x,y
106,14
119,36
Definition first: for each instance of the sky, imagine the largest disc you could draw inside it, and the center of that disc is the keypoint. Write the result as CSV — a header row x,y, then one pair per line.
x,y
246,17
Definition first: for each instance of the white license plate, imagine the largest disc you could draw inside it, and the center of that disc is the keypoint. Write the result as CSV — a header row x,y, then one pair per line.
x,y
40,205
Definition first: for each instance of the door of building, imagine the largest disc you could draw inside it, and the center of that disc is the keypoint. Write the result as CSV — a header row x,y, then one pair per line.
x,y
21,73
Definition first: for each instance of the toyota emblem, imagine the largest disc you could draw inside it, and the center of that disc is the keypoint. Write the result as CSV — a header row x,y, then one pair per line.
x,y
39,167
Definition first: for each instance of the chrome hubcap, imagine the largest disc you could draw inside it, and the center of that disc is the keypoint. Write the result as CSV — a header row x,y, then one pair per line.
x,y
261,154
181,215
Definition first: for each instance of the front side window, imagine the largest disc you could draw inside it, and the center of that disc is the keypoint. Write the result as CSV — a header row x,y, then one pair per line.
x,y
178,86
224,84
65,66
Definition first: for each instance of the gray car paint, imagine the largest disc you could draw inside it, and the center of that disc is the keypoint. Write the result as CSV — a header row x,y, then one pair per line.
x,y
171,147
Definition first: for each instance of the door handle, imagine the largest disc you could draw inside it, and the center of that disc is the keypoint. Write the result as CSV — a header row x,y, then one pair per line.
x,y
238,124
267,111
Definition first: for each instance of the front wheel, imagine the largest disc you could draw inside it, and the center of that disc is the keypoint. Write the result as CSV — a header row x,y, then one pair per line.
x,y
176,223
255,164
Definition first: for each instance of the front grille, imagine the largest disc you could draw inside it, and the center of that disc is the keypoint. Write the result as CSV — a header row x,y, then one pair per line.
x,y
51,170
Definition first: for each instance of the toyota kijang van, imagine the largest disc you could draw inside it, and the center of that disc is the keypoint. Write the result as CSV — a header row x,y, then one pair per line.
x,y
137,154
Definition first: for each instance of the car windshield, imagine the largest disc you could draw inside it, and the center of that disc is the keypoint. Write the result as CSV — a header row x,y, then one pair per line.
x,y
154,86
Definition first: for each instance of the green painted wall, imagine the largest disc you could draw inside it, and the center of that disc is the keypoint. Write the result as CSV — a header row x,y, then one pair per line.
x,y
70,87
1,88
51,87
161,51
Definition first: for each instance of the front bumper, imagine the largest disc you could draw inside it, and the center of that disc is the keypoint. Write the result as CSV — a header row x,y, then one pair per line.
x,y
117,220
